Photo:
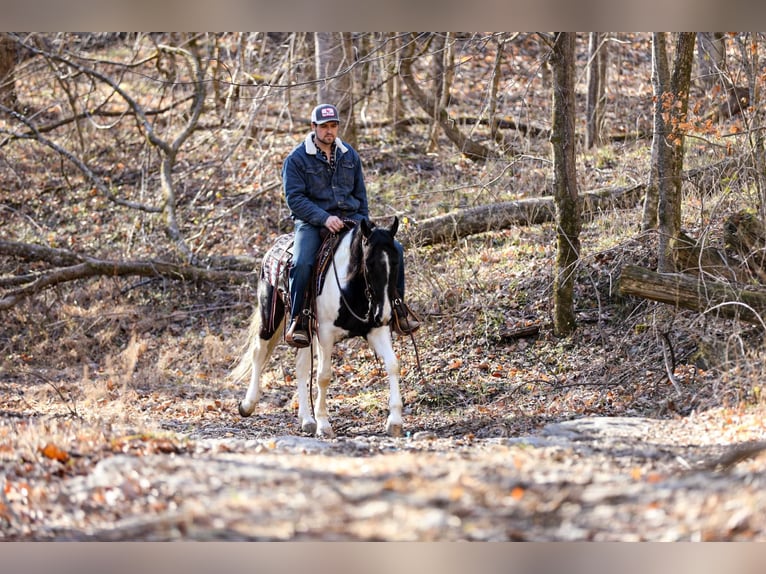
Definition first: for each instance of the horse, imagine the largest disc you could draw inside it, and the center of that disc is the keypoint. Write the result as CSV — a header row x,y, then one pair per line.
x,y
355,300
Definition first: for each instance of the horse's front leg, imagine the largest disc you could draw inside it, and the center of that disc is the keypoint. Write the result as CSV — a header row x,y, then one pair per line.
x,y
380,340
324,375
302,373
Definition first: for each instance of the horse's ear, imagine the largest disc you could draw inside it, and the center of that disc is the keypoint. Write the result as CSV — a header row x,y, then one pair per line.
x,y
366,228
394,226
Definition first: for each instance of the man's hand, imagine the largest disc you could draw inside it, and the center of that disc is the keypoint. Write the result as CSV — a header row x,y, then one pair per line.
x,y
334,224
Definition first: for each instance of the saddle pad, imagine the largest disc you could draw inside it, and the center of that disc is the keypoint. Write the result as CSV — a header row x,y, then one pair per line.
x,y
277,261
275,269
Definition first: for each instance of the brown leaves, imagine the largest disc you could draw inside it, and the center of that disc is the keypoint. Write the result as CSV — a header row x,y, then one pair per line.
x,y
53,452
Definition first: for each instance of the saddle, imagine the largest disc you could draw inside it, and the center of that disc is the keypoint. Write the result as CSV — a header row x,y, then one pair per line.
x,y
275,269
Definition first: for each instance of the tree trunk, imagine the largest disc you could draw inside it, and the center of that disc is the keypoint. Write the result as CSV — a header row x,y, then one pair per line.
x,y
754,117
8,55
441,77
334,72
597,61
563,141
711,58
660,79
671,104
694,293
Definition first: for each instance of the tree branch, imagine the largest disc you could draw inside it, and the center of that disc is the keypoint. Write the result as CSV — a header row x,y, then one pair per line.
x,y
84,267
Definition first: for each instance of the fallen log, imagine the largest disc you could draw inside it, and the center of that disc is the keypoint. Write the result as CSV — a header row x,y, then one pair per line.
x,y
694,293
536,210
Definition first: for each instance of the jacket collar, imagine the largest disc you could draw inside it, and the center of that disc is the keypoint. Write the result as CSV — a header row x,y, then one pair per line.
x,y
311,147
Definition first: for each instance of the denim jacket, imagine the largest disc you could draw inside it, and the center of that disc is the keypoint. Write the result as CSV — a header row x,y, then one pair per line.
x,y
314,191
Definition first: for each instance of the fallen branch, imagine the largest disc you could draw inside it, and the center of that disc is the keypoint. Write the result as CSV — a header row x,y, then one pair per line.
x,y
694,293
83,267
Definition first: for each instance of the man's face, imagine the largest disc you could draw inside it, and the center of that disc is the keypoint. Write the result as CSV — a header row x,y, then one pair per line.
x,y
326,132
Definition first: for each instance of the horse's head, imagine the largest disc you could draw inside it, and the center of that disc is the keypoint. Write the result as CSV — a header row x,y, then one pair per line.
x,y
368,226
377,260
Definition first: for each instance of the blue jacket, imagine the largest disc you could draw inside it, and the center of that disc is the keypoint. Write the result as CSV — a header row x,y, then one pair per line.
x,y
314,192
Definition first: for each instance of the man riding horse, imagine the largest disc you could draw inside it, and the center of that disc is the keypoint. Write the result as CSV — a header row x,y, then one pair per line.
x,y
324,187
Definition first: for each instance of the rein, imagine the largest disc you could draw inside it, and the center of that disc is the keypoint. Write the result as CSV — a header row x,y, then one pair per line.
x,y
367,292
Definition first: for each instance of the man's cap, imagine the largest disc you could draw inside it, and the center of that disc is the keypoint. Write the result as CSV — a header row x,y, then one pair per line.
x,y
325,113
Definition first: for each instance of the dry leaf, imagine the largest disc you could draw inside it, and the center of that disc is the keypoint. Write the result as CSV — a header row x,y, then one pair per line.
x,y
50,450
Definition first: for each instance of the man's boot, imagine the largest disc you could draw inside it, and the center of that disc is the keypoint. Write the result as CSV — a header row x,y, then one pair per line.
x,y
297,334
404,321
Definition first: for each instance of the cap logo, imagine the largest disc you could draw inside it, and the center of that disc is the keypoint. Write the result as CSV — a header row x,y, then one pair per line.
x,y
328,112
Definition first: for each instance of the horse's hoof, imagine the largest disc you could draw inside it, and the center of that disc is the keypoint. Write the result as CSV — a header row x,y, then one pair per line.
x,y
326,433
394,430
244,413
309,428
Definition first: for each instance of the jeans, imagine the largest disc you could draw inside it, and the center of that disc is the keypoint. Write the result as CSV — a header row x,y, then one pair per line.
x,y
306,245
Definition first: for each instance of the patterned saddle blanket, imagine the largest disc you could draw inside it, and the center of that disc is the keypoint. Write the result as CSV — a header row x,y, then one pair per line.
x,y
275,269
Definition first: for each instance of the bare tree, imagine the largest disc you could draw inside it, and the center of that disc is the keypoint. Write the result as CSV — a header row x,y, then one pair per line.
x,y
8,56
711,58
428,104
672,103
597,66
334,53
748,49
563,141
660,79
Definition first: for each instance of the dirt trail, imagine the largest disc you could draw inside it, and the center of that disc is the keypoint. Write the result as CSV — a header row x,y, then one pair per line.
x,y
607,478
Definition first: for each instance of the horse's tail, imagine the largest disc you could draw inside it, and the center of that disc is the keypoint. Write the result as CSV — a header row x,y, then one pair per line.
x,y
245,364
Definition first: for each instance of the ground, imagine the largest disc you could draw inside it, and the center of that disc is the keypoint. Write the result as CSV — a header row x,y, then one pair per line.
x,y
536,438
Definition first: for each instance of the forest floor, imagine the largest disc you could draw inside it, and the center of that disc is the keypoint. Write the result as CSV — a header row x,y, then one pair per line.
x,y
118,420
506,438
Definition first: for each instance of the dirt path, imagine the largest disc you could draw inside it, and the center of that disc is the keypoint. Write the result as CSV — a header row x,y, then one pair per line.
x,y
607,478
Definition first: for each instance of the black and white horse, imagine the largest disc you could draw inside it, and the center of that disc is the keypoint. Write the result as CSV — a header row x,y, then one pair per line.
x,y
355,300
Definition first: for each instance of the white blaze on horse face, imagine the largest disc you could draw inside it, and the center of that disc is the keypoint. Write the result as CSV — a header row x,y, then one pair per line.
x,y
385,312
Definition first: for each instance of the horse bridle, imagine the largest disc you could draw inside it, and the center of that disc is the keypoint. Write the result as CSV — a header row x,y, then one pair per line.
x,y
367,292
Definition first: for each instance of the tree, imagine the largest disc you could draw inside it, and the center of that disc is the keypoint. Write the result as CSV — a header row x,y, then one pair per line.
x,y
748,48
8,55
660,78
429,104
335,79
563,141
597,62
711,58
442,69
671,95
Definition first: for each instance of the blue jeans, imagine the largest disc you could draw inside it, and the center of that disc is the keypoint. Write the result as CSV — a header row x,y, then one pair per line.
x,y
306,245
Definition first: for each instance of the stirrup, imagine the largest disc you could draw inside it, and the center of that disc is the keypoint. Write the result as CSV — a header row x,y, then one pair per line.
x,y
298,334
404,321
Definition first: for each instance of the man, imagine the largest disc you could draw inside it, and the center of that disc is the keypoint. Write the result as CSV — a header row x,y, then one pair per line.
x,y
324,185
